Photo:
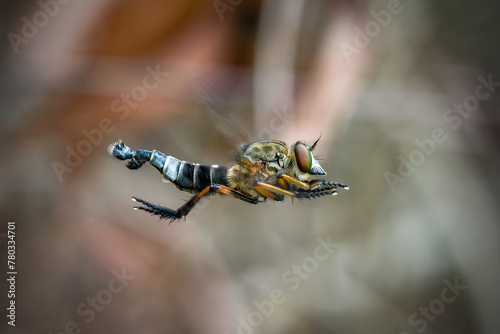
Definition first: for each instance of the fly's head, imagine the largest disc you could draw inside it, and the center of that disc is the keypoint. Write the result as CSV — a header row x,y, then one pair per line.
x,y
306,164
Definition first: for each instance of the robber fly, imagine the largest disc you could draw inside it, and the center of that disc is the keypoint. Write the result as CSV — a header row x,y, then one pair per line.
x,y
263,169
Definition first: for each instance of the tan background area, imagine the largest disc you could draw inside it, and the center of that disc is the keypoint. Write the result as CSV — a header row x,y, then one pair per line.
x,y
412,247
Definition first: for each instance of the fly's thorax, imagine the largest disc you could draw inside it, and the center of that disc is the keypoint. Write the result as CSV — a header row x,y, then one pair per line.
x,y
244,173
273,168
243,176
264,150
234,176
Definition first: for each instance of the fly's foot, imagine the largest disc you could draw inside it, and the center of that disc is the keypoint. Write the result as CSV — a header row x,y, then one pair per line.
x,y
325,184
342,185
320,188
162,212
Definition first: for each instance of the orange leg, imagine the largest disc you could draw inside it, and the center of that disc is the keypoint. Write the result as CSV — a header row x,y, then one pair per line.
x,y
283,183
274,189
264,192
167,213
233,193
201,194
296,182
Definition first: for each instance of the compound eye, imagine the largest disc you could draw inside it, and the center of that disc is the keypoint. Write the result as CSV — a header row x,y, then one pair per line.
x,y
304,157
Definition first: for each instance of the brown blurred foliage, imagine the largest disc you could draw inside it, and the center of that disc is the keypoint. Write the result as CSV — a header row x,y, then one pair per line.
x,y
228,72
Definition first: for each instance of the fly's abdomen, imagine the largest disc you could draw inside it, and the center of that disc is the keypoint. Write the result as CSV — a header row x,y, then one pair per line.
x,y
187,175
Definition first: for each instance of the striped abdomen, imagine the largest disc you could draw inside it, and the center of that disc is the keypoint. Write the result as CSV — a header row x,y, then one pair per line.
x,y
187,175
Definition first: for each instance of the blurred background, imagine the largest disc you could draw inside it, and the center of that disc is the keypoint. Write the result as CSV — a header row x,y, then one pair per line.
x,y
405,94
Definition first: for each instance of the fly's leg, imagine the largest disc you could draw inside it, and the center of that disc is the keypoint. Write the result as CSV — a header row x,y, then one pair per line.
x,y
307,189
157,210
166,213
266,193
312,184
272,192
294,181
320,188
328,184
132,159
233,193
312,189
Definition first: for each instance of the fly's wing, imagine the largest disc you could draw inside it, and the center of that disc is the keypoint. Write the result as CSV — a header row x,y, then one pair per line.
x,y
222,117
